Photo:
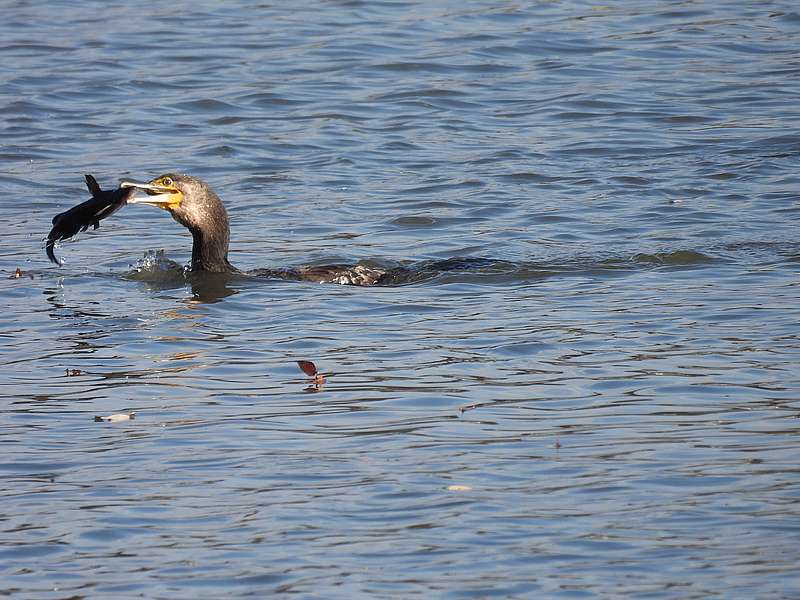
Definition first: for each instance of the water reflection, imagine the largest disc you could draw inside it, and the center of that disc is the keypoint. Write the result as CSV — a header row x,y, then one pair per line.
x,y
210,290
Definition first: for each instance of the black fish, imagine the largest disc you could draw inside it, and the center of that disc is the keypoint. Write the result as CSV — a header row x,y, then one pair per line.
x,y
79,218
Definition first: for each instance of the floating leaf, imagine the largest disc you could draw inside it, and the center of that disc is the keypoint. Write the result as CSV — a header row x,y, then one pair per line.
x,y
19,274
307,367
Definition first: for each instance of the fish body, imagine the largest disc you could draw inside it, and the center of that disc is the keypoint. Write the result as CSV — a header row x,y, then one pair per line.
x,y
100,206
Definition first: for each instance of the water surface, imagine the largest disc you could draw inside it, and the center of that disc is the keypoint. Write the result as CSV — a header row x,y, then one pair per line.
x,y
599,399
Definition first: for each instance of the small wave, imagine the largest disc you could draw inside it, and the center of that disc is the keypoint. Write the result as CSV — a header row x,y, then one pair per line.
x,y
157,270
206,105
486,270
675,258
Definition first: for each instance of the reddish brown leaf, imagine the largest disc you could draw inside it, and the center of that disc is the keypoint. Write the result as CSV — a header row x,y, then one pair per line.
x,y
18,273
307,367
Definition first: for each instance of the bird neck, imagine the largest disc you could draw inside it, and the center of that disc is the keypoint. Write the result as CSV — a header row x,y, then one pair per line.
x,y
210,249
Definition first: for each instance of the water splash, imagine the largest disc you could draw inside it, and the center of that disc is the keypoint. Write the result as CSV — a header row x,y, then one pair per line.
x,y
156,267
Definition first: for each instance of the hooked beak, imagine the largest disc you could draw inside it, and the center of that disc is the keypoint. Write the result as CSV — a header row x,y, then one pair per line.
x,y
156,195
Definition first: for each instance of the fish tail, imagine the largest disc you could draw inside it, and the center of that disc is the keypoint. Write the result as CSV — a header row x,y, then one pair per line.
x,y
50,247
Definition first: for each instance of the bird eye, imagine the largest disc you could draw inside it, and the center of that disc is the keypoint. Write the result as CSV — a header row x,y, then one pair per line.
x,y
167,181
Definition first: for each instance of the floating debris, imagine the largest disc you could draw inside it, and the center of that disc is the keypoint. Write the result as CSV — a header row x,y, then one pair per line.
x,y
116,418
459,488
310,369
307,367
73,372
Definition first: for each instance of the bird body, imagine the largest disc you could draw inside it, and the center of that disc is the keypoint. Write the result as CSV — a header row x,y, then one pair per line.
x,y
192,203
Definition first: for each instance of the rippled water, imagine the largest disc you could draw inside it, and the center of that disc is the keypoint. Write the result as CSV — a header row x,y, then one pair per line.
x,y
598,399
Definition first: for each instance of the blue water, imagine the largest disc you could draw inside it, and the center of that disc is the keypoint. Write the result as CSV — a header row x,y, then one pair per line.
x,y
599,401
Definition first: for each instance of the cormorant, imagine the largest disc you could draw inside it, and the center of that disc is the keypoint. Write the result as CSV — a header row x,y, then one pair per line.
x,y
193,204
